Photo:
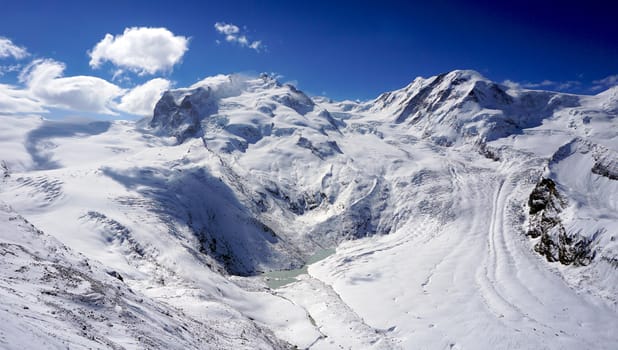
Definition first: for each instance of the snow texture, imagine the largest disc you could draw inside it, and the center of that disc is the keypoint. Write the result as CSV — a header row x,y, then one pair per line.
x,y
465,214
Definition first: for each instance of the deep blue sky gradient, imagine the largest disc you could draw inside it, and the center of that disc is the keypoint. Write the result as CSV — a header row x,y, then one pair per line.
x,y
343,49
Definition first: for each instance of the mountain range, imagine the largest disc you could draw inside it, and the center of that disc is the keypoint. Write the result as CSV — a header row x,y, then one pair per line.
x,y
454,213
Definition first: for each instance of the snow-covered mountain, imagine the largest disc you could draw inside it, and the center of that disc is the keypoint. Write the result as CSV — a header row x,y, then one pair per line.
x,y
465,214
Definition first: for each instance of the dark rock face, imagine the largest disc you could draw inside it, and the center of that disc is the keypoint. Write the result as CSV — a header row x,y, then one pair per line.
x,y
419,101
183,121
555,243
543,197
4,170
296,100
322,150
607,168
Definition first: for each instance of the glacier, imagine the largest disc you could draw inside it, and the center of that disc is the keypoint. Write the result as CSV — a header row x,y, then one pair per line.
x,y
461,214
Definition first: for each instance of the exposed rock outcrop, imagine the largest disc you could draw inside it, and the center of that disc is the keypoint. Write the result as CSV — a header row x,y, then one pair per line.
x,y
555,243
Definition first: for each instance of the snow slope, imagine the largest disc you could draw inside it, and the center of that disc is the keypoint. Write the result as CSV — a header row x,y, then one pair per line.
x,y
54,298
425,192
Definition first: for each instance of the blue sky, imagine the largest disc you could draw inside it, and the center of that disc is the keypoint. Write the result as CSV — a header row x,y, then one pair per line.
x,y
341,49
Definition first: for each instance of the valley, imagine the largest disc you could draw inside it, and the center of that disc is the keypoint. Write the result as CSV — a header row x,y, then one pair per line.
x,y
246,214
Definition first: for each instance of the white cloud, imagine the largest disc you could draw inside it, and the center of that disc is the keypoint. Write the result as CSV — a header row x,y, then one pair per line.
x,y
511,84
227,29
8,49
242,40
545,84
567,85
256,45
44,87
142,99
142,50
605,83
10,68
44,82
14,100
233,35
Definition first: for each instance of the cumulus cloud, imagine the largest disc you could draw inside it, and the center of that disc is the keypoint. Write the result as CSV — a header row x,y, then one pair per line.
x,y
227,29
43,86
45,83
142,99
233,34
142,50
8,49
605,83
14,100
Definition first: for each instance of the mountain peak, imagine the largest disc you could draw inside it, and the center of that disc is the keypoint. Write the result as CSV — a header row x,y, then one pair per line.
x,y
431,95
453,167
228,101
462,75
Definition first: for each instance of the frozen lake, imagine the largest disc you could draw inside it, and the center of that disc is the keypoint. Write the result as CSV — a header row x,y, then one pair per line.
x,y
277,279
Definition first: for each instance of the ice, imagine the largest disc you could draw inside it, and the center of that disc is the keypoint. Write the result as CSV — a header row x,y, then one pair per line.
x,y
156,233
